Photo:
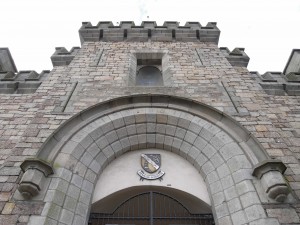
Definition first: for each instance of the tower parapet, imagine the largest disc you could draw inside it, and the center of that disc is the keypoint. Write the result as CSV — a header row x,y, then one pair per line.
x,y
14,82
292,68
148,30
6,61
23,82
236,57
286,82
63,57
277,83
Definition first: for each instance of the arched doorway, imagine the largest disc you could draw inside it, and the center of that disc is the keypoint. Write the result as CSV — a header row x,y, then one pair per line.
x,y
151,208
121,196
225,154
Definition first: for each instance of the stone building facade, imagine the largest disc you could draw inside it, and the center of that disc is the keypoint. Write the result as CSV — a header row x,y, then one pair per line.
x,y
72,138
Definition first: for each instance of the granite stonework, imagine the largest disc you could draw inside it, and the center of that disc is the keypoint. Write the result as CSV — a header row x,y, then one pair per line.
x,y
59,133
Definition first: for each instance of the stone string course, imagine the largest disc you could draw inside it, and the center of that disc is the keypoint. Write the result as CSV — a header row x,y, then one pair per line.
x,y
27,120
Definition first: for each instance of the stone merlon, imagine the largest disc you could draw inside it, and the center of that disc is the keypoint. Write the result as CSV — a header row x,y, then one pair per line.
x,y
14,82
148,30
23,82
292,68
237,57
283,83
7,63
63,57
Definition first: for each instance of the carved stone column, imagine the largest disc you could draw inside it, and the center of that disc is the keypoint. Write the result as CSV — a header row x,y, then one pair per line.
x,y
35,173
270,173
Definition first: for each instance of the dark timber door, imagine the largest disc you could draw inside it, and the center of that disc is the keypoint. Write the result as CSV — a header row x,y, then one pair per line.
x,y
151,208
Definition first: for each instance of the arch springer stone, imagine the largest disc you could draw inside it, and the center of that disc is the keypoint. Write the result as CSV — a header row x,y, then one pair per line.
x,y
35,172
270,173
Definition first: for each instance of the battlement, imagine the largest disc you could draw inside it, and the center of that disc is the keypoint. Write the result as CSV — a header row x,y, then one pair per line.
x,y
277,83
6,61
23,82
293,64
286,82
149,31
236,57
14,82
63,57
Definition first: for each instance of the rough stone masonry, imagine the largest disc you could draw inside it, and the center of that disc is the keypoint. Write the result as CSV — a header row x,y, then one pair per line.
x,y
49,123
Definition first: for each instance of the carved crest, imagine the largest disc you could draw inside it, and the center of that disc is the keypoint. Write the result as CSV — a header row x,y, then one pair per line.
x,y
151,164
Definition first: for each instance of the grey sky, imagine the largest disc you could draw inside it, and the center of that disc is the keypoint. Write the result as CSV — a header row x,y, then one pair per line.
x,y
268,29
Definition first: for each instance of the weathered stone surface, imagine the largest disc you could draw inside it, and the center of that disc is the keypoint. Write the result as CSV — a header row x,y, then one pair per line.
x,y
28,208
8,208
10,171
268,221
284,215
8,219
193,67
4,196
272,181
31,183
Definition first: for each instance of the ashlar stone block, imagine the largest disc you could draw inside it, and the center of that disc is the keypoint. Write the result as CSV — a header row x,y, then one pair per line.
x,y
265,221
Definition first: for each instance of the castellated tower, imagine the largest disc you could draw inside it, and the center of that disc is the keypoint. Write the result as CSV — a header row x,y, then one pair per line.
x,y
149,125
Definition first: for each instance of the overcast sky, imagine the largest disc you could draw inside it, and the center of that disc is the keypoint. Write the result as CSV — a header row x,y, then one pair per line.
x,y
267,29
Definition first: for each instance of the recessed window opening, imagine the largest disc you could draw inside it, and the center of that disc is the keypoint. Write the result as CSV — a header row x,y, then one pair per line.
x,y
149,76
149,68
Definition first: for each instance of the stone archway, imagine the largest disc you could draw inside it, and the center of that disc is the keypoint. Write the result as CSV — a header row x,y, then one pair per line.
x,y
120,196
223,152
120,180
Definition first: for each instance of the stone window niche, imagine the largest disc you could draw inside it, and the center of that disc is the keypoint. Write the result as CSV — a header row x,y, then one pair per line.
x,y
149,76
149,68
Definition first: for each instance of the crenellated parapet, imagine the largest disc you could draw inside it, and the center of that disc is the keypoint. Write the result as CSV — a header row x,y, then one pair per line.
x,y
149,31
293,64
282,83
6,61
63,57
14,82
277,83
236,57
23,82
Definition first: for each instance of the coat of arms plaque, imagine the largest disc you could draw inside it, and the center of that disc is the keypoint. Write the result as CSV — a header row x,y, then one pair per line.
x,y
151,164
